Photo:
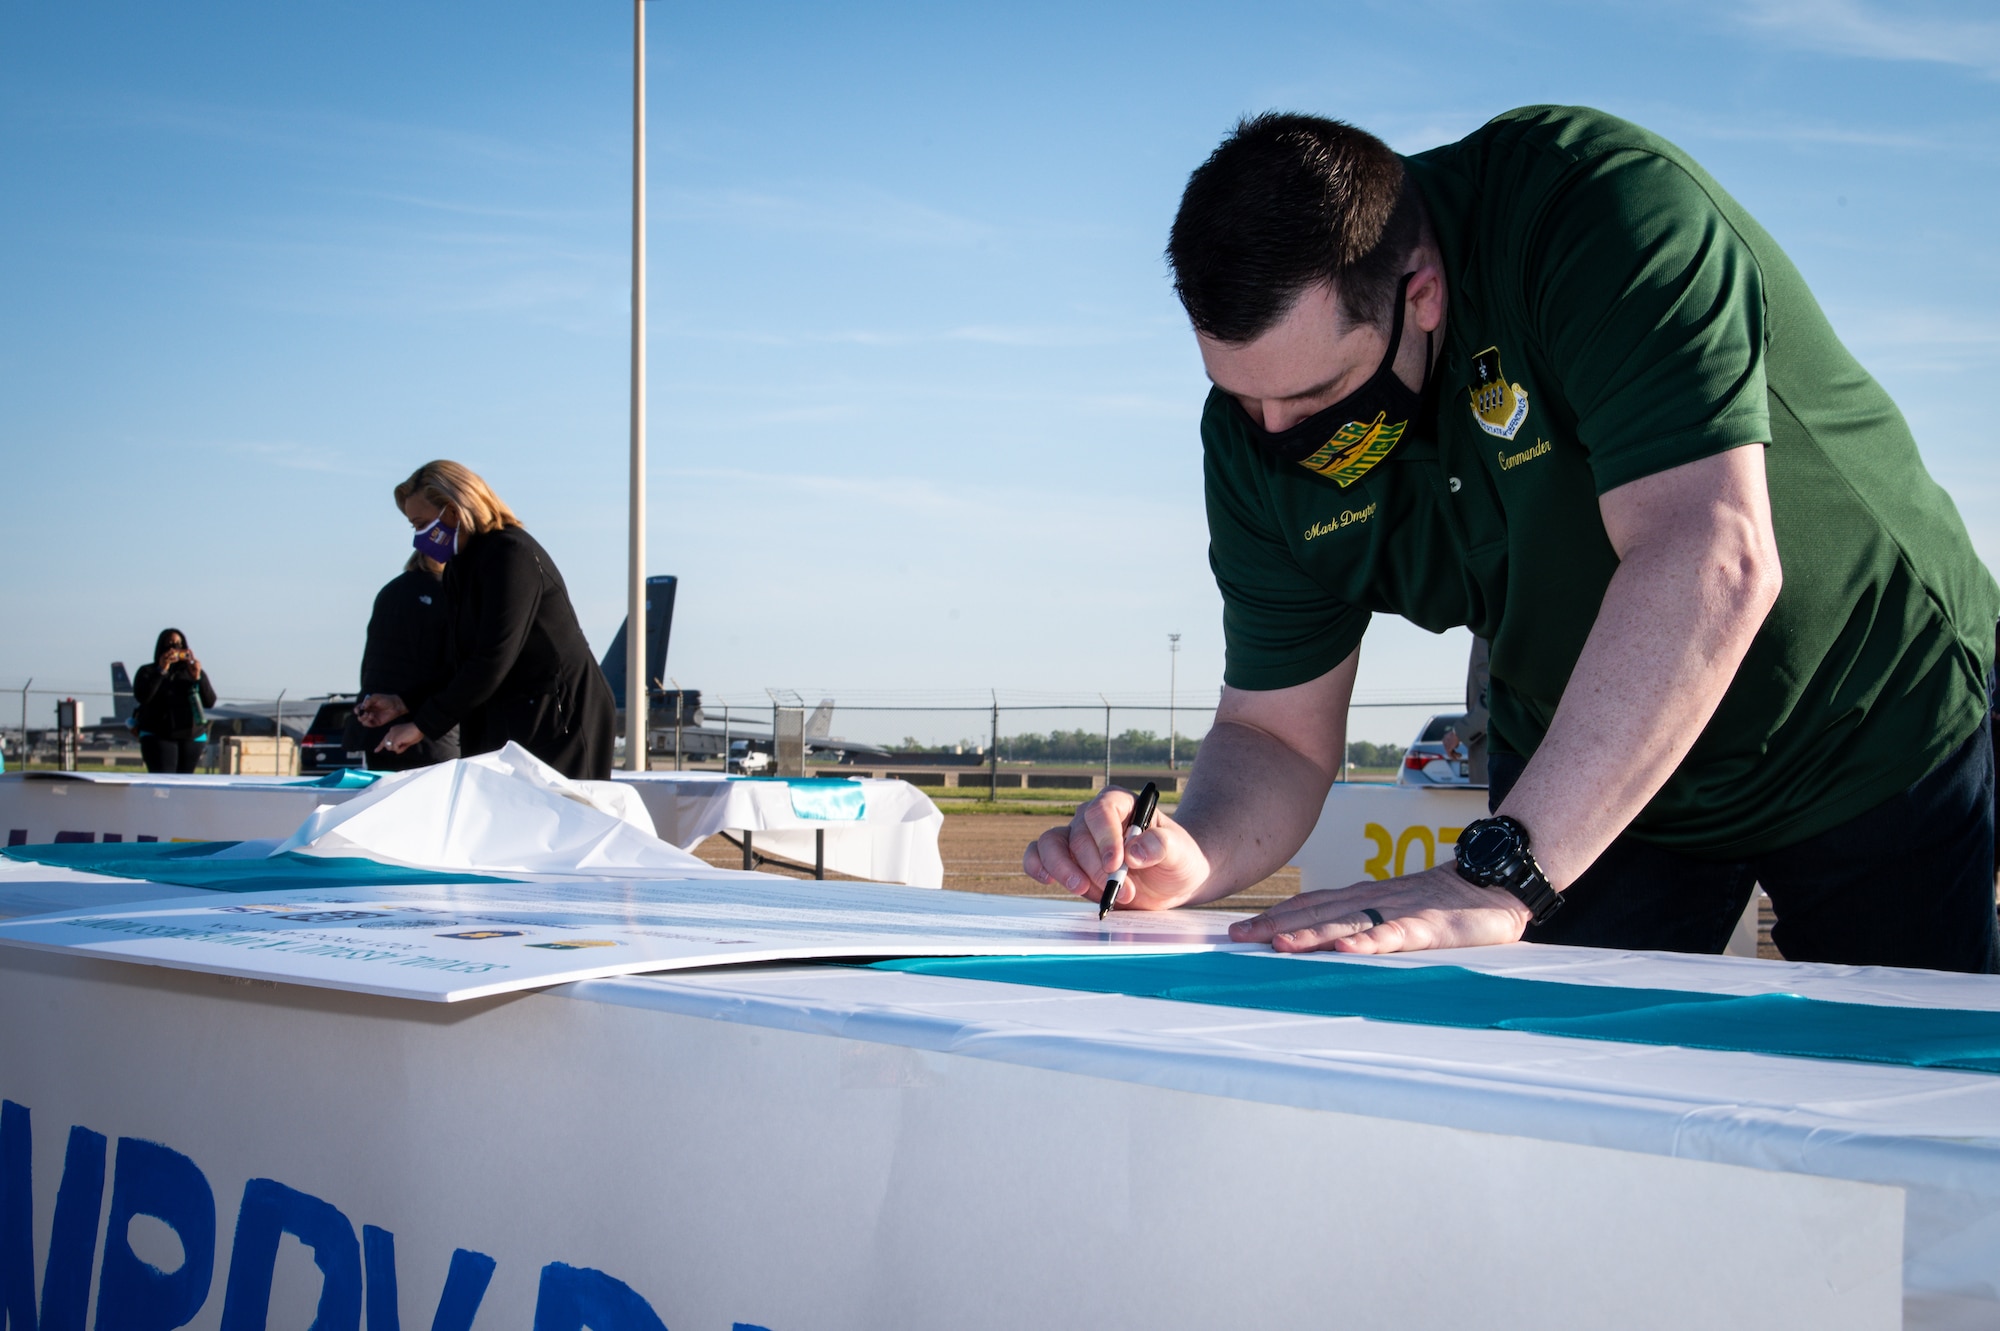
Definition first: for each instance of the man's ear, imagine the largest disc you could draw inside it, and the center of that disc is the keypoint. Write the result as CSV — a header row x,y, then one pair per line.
x,y
1427,295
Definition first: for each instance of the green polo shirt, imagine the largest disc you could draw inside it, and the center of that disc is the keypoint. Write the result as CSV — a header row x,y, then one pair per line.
x,y
1613,313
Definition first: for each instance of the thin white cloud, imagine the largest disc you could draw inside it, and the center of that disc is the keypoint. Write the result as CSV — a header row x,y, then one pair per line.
x,y
1047,335
306,131
1033,336
294,457
514,214
1928,33
1820,134
1919,339
864,213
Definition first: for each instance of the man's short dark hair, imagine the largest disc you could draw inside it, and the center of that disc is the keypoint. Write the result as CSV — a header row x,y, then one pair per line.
x,y
1286,202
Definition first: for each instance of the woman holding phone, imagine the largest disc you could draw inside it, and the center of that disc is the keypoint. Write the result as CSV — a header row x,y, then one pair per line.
x,y
173,693
519,666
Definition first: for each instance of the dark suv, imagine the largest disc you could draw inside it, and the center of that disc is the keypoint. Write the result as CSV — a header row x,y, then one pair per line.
x,y
324,748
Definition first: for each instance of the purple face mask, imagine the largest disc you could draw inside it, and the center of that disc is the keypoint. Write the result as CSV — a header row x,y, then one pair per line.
x,y
436,541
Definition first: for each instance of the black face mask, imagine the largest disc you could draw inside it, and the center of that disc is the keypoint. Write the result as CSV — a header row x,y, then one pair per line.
x,y
1348,438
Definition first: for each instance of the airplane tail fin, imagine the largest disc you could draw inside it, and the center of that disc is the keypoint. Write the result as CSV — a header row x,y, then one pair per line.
x,y
820,724
123,704
659,623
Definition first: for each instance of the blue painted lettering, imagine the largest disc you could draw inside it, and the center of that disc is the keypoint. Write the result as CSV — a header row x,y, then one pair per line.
x,y
73,1239
271,1209
464,1285
132,1294
574,1297
154,1180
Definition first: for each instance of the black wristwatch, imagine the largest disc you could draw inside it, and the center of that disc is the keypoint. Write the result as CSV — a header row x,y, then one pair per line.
x,y
1493,852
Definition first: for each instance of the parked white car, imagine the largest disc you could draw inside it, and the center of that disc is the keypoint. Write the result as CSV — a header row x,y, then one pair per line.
x,y
747,761
1425,762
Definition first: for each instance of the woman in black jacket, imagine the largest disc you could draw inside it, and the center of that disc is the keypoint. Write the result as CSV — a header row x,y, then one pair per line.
x,y
520,668
404,655
172,690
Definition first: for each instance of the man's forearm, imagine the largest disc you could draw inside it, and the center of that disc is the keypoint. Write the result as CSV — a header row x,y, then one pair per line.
x,y
1251,802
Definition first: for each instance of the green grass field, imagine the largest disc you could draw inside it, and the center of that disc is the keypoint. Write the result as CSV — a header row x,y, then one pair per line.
x,y
1063,803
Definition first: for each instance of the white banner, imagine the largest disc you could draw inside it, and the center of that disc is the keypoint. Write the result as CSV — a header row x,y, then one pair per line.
x,y
227,1157
451,942
41,808
894,840
1378,830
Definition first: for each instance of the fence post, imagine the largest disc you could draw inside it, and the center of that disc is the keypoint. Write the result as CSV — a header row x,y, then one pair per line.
x,y
993,755
1107,740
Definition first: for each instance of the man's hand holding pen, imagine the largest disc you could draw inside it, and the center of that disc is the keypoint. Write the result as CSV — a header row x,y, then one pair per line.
x,y
1164,865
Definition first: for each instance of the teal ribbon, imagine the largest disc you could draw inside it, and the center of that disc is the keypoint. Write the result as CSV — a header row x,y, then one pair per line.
x,y
341,778
827,799
188,864
1783,1024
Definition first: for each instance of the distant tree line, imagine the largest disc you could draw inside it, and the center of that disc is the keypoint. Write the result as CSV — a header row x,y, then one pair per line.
x,y
1361,753
1067,746
1132,748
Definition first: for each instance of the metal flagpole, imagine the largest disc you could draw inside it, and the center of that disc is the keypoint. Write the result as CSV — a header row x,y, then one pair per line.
x,y
638,689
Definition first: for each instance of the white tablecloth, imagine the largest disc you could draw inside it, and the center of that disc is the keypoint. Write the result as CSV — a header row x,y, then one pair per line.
x,y
86,806
895,840
42,807
1935,1134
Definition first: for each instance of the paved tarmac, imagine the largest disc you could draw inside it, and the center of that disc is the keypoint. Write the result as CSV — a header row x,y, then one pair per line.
x,y
982,853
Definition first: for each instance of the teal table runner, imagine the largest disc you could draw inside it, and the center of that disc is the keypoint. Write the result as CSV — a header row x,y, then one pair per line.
x,y
190,864
827,799
1454,996
341,778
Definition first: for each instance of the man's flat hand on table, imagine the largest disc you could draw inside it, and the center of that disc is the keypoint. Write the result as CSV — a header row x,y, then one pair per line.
x,y
1432,909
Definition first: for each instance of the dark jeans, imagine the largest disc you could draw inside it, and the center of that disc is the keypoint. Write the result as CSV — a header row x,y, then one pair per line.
x,y
1908,883
170,755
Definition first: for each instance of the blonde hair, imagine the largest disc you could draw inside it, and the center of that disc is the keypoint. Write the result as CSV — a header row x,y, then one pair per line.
x,y
444,482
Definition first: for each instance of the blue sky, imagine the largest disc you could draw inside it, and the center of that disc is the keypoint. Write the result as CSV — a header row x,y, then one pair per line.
x,y
923,407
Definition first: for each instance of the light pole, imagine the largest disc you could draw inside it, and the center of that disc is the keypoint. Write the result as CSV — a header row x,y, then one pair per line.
x,y
638,689
1173,672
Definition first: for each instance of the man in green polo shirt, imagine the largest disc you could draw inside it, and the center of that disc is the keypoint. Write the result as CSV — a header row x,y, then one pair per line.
x,y
1552,383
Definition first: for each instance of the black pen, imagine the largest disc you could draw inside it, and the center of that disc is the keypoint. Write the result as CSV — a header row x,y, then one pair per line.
x,y
1142,818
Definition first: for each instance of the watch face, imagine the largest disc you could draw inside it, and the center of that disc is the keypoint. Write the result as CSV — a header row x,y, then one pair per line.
x,y
1488,847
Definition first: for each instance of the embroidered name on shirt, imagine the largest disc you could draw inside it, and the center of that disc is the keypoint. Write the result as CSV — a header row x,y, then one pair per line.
x,y
1497,405
1509,461
1348,517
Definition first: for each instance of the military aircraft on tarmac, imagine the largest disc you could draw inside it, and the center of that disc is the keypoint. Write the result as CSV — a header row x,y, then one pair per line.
x,y
699,736
293,715
697,732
